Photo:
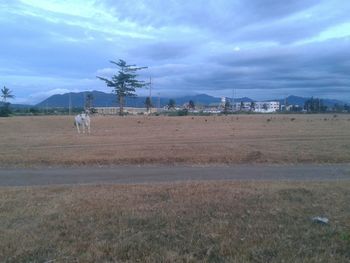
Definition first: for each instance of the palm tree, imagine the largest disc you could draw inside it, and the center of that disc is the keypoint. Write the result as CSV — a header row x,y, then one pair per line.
x,y
191,105
171,104
6,94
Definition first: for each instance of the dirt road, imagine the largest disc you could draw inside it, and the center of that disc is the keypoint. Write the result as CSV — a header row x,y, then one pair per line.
x,y
165,174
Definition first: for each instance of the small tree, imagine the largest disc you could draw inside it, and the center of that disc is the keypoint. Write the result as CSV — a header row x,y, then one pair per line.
x,y
148,104
182,112
338,107
314,105
308,105
89,101
241,106
34,111
5,109
252,106
227,106
6,94
191,105
124,83
171,104
264,106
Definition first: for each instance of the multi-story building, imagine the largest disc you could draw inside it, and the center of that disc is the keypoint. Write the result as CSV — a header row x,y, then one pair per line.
x,y
242,106
257,106
267,106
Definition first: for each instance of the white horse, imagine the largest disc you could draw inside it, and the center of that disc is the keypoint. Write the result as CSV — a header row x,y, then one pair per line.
x,y
82,120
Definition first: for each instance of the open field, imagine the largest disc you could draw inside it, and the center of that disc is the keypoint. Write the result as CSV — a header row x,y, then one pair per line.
x,y
175,221
37,141
187,222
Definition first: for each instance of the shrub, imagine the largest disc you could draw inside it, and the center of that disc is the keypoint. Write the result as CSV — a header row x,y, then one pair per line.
x,y
5,110
183,112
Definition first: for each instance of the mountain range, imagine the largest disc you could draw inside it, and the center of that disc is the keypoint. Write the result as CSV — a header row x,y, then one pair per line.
x,y
102,99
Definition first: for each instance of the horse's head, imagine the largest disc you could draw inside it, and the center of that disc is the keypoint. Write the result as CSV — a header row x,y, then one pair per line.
x,y
85,117
82,115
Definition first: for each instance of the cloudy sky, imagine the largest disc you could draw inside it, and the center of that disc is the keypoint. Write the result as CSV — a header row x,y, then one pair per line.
x,y
262,48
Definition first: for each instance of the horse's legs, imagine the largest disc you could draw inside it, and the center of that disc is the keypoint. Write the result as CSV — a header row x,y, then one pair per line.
x,y
77,124
83,125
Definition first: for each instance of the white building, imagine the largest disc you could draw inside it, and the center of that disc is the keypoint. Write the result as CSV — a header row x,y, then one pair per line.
x,y
223,101
242,106
258,106
129,110
267,106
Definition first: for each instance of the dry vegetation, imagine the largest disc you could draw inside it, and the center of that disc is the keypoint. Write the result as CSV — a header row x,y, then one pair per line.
x,y
30,141
193,222
185,222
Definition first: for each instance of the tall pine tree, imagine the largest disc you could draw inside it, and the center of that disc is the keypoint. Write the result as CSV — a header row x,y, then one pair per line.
x,y
124,83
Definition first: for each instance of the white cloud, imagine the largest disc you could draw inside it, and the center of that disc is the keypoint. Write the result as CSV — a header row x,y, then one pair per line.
x,y
338,31
84,14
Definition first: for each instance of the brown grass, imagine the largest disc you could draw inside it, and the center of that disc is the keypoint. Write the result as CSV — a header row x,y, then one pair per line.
x,y
32,141
192,222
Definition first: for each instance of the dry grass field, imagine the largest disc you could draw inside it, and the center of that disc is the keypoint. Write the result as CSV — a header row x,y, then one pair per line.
x,y
178,222
187,222
35,141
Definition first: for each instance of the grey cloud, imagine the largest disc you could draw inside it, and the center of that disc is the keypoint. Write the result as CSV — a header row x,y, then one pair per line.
x,y
50,48
300,69
163,51
199,13
253,20
317,67
192,46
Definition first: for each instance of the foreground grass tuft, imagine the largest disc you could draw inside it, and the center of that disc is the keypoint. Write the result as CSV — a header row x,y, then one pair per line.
x,y
187,222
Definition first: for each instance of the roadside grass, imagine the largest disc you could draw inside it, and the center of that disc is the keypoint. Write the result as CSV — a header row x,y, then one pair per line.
x,y
180,222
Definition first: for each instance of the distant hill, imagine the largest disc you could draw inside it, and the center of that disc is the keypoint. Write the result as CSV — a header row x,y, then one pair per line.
x,y
244,99
198,99
18,106
102,99
77,100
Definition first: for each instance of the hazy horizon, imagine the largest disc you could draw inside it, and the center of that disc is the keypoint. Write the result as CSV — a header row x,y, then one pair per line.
x,y
182,96
263,50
